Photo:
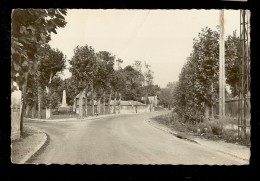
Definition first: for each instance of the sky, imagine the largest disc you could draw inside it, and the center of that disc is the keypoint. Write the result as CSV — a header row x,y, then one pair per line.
x,y
162,38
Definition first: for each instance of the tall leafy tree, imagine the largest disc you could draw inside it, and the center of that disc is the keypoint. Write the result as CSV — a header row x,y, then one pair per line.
x,y
133,83
70,85
148,74
232,62
118,84
52,63
104,76
84,69
56,91
165,97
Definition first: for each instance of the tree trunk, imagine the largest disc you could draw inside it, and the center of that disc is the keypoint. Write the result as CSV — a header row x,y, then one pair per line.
x,y
39,102
104,102
212,106
23,101
86,101
114,105
212,111
27,110
119,107
48,109
33,110
98,105
80,105
109,100
92,100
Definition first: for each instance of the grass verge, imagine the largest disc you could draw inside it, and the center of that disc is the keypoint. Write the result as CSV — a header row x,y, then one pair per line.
x,y
213,129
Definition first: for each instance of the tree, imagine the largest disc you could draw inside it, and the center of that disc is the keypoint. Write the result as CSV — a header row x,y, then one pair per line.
x,y
198,76
52,63
148,74
138,66
31,30
133,84
148,82
104,76
70,85
165,97
232,62
118,85
31,93
56,90
83,69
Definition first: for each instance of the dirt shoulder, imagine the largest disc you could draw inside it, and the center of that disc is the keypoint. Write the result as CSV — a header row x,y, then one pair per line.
x,y
29,144
236,150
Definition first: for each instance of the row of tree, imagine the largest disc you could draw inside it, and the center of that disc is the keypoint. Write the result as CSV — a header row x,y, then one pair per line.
x,y
197,88
95,74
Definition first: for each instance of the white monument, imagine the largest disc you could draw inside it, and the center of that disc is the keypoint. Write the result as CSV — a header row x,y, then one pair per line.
x,y
63,103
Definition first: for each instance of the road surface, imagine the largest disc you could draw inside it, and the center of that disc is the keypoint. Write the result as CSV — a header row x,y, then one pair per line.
x,y
122,139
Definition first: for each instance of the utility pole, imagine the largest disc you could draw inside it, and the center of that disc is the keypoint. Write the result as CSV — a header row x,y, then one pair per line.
x,y
221,67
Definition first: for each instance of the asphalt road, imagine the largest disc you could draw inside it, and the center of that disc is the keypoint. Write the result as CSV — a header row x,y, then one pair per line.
x,y
122,139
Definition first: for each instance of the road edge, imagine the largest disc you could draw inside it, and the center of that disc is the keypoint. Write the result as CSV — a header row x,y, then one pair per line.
x,y
170,132
185,138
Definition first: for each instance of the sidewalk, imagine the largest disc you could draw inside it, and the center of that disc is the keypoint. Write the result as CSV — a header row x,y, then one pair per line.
x,y
238,151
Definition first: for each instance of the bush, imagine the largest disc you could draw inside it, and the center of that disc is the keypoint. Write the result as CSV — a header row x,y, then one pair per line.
x,y
204,127
216,127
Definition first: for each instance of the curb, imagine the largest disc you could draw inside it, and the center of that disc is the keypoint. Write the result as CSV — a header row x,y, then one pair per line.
x,y
72,119
36,149
171,132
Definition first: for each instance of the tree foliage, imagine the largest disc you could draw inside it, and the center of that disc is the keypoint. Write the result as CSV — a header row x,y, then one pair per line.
x,y
166,95
31,30
52,63
83,66
148,74
104,73
232,62
133,83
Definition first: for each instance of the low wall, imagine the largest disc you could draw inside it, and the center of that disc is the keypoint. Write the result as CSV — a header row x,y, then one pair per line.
x,y
123,109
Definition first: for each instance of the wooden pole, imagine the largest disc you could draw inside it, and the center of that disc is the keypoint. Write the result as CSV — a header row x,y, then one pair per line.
x,y
221,68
